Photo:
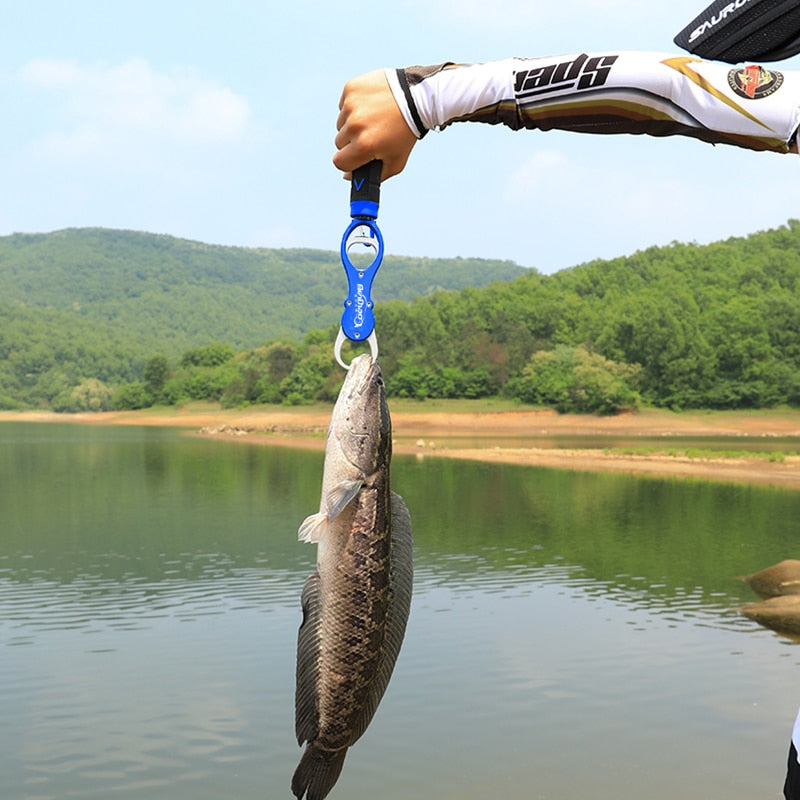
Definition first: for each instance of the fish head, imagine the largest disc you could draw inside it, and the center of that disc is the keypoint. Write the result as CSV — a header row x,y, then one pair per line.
x,y
360,421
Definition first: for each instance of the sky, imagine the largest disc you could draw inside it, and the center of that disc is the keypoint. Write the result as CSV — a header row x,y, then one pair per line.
x,y
215,122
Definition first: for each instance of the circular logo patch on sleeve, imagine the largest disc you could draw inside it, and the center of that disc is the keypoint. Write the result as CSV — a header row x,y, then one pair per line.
x,y
754,82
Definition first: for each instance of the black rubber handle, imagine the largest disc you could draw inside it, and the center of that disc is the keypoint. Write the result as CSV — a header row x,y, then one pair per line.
x,y
365,187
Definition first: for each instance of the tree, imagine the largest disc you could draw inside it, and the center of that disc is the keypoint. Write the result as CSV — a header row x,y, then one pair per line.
x,y
660,331
313,378
571,379
90,395
156,372
210,355
130,397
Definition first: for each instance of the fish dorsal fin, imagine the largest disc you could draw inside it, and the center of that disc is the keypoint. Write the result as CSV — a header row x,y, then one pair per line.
x,y
341,494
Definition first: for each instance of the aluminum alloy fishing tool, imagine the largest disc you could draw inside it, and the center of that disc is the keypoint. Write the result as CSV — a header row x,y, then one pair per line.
x,y
363,242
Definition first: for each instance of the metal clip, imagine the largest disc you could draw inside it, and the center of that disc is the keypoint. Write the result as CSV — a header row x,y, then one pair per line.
x,y
372,340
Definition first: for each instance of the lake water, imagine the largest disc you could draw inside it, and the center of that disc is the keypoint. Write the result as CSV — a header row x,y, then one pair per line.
x,y
572,635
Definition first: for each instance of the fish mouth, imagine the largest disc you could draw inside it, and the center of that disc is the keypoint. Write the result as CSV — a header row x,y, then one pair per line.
x,y
363,371
364,377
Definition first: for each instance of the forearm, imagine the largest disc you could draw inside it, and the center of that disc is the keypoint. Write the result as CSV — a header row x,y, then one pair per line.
x,y
624,92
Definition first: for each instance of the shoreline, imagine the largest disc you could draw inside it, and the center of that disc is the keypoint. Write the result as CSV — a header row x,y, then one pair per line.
x,y
527,437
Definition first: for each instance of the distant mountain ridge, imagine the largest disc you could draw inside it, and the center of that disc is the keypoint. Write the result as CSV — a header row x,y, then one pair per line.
x,y
173,293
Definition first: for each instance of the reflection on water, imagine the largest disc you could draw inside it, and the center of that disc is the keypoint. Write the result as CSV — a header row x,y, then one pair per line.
x,y
571,634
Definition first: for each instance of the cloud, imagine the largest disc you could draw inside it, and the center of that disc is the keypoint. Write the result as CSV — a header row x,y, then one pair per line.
x,y
544,167
609,188
616,204
606,196
503,28
102,106
577,14
128,145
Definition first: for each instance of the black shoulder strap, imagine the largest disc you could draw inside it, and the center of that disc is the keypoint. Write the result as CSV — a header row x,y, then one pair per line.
x,y
744,30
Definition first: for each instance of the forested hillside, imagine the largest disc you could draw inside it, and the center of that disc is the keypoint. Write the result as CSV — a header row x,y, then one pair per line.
x,y
182,293
95,303
682,326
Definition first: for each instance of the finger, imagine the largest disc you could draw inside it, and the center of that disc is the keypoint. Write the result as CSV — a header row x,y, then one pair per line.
x,y
350,158
345,160
342,139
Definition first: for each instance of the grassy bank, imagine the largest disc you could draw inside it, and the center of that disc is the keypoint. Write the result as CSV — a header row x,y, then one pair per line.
x,y
743,446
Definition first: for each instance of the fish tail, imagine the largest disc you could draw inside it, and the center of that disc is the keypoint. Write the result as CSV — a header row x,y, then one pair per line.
x,y
317,772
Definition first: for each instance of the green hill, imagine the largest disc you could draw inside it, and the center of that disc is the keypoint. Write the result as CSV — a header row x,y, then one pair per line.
x,y
95,303
180,294
92,319
713,326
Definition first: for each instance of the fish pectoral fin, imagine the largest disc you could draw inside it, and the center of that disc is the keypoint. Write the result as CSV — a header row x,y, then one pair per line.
x,y
340,496
313,528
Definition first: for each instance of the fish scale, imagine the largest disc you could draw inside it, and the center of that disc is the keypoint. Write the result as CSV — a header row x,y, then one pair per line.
x,y
353,638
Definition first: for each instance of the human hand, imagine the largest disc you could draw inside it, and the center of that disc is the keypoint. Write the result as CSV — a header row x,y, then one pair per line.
x,y
370,126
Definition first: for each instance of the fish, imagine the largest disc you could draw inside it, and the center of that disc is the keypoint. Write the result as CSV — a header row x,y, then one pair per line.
x,y
356,605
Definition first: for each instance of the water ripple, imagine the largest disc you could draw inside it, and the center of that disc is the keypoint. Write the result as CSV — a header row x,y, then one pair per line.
x,y
91,604
478,574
